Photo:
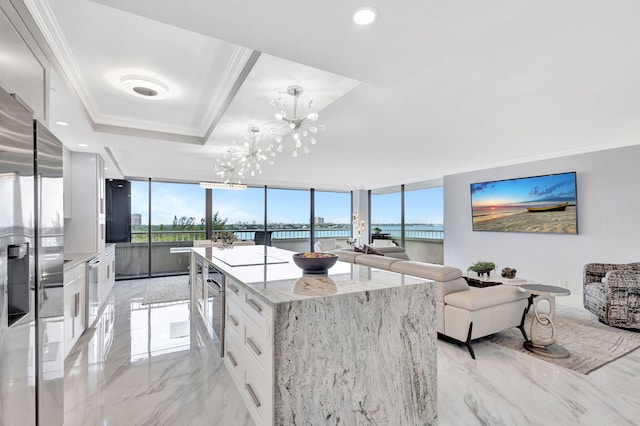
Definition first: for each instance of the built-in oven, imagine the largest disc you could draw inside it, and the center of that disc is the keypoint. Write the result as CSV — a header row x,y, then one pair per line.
x,y
215,283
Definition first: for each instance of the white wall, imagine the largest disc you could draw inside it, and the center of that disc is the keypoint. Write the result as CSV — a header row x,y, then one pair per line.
x,y
608,184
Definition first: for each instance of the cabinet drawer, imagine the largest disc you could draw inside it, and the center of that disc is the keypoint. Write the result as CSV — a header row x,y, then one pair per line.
x,y
74,274
257,344
234,359
234,291
257,310
234,321
258,390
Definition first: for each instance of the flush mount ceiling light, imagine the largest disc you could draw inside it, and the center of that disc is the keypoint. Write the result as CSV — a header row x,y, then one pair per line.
x,y
364,16
62,123
144,87
296,124
83,145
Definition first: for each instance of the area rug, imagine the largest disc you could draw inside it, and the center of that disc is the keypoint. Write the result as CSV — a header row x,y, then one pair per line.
x,y
167,290
591,343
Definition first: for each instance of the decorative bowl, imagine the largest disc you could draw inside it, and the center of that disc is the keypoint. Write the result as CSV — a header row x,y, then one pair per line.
x,y
315,263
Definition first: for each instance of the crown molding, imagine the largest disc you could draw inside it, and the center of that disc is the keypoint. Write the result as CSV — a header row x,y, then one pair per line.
x,y
45,20
241,61
235,72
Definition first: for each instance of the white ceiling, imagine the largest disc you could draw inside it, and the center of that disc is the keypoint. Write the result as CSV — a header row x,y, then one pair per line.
x,y
431,88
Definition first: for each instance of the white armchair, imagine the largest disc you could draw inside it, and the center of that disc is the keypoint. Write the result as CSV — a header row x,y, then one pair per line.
x,y
328,244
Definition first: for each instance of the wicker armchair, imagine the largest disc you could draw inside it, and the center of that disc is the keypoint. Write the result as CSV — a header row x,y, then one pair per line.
x,y
612,292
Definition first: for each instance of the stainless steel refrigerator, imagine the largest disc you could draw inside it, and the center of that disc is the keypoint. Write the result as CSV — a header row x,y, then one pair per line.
x,y
31,264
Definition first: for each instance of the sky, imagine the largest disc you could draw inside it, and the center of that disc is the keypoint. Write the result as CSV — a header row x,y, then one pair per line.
x,y
557,187
285,206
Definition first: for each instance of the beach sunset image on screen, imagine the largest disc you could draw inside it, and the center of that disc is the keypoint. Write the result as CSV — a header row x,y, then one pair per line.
x,y
545,204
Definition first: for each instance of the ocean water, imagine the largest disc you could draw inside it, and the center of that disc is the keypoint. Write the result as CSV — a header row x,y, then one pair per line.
x,y
412,231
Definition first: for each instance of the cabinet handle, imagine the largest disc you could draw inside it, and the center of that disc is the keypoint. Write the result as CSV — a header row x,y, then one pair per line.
x,y
253,346
234,320
232,359
255,305
253,395
233,288
77,304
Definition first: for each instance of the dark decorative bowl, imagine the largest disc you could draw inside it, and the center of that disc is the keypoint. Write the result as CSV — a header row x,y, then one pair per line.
x,y
315,265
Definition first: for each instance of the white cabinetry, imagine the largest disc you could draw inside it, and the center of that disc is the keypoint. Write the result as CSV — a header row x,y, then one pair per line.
x,y
85,229
74,305
106,276
66,179
249,349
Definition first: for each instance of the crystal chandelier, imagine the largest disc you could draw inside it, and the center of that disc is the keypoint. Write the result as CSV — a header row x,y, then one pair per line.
x,y
227,167
249,160
295,125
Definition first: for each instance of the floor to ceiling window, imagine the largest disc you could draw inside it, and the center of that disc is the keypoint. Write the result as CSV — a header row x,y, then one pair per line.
x,y
332,215
288,214
239,211
177,218
386,214
160,216
423,213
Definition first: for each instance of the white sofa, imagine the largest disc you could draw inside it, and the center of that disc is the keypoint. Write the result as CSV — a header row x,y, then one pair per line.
x,y
385,247
328,244
463,313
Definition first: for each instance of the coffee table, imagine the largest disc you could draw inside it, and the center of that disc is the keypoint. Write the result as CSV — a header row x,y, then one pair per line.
x,y
544,347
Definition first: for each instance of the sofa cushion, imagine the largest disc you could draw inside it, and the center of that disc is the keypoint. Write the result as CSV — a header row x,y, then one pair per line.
x,y
347,255
376,261
398,255
390,249
429,271
480,298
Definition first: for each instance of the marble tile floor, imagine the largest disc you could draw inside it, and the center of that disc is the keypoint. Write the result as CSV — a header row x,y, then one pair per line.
x,y
135,368
148,365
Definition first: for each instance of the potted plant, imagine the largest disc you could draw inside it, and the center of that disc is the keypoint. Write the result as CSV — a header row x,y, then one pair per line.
x,y
226,238
376,230
482,267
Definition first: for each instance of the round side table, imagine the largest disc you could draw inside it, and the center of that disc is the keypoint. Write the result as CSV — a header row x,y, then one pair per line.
x,y
536,344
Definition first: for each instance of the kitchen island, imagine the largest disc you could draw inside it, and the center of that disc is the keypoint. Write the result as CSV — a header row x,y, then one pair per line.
x,y
356,346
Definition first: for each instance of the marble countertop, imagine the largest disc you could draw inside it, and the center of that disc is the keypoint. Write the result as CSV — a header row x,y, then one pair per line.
x,y
279,280
74,259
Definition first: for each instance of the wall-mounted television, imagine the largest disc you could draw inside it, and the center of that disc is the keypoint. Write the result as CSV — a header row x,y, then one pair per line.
x,y
545,204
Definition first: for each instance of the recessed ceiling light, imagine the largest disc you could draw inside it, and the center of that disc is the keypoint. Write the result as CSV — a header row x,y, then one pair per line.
x,y
364,16
62,123
144,87
84,145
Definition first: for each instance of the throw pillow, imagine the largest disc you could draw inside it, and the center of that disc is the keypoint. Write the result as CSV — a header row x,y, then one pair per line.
x,y
358,249
371,250
328,244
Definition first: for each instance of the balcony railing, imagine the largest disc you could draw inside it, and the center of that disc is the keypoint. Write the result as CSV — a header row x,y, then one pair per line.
x,y
276,234
424,234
